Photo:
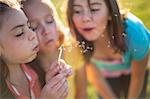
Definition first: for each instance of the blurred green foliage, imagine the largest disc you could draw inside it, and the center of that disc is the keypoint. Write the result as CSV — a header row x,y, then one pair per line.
x,y
140,8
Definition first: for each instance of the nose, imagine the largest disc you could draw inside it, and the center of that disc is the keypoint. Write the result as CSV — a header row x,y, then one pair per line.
x,y
32,35
44,33
45,30
87,16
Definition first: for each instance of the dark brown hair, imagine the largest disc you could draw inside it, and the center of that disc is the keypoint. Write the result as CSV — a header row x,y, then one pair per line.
x,y
5,6
115,27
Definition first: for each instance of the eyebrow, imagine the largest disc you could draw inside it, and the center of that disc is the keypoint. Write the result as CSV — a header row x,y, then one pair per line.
x,y
96,3
76,5
21,25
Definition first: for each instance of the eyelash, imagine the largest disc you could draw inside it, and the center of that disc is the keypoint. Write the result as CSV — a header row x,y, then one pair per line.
x,y
18,35
34,29
77,12
94,10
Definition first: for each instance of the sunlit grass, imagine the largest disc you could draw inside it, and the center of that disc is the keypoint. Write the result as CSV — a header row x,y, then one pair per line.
x,y
140,8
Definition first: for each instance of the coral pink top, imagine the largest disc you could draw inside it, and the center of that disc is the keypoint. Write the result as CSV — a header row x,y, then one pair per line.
x,y
34,84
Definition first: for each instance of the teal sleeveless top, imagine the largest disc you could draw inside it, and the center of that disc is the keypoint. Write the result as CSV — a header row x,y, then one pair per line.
x,y
137,40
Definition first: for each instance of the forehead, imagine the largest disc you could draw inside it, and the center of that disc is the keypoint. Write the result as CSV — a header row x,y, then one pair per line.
x,y
86,1
37,9
13,18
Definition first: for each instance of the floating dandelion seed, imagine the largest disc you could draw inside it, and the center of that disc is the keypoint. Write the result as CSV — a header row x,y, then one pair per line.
x,y
89,48
108,42
83,46
77,44
80,45
84,51
124,34
83,42
115,15
108,46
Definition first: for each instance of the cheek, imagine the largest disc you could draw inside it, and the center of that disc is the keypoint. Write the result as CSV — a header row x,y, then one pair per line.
x,y
54,32
101,22
15,44
76,21
41,44
102,17
17,52
19,49
39,37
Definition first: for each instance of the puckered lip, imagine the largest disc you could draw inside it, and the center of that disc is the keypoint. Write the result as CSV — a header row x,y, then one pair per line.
x,y
36,48
49,41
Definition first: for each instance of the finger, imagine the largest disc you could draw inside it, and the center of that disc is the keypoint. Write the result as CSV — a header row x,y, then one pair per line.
x,y
61,64
65,68
55,80
56,87
63,89
67,72
54,65
65,94
59,85
52,72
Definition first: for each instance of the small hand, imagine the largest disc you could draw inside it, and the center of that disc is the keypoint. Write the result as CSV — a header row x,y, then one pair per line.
x,y
55,88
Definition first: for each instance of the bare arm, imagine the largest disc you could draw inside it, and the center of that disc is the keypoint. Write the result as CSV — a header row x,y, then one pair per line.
x,y
94,75
137,78
81,83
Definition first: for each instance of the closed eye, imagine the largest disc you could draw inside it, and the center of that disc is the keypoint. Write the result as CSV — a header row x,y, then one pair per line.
x,y
94,10
50,21
18,35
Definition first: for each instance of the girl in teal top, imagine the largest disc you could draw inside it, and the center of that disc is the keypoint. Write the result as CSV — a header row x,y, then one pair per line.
x,y
120,45
137,42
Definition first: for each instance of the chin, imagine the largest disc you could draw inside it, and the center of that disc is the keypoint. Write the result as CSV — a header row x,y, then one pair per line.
x,y
91,38
30,59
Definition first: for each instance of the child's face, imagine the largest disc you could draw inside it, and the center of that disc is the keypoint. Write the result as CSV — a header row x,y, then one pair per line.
x,y
90,21
42,22
18,43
